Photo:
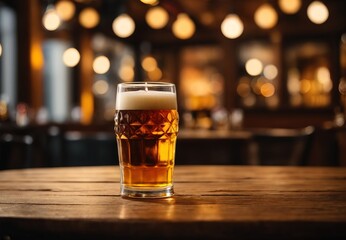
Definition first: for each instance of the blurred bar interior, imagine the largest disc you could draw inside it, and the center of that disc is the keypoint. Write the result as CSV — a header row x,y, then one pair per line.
x,y
250,75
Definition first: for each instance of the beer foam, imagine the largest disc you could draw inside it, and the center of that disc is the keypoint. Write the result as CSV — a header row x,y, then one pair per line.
x,y
146,100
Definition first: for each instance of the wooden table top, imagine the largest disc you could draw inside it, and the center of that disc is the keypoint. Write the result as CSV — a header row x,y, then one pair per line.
x,y
211,202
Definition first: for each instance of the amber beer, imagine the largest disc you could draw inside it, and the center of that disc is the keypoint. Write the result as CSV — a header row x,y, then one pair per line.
x,y
146,127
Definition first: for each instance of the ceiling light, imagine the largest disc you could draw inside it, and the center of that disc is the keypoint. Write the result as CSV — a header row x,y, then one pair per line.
x,y
123,26
157,17
232,26
317,12
290,6
266,16
183,27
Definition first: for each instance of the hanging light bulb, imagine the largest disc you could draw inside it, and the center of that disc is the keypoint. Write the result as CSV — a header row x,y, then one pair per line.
x,y
157,17
65,9
290,6
317,12
266,16
89,18
123,26
183,27
232,26
51,20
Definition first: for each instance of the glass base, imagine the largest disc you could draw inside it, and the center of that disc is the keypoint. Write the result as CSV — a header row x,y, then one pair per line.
x,y
146,193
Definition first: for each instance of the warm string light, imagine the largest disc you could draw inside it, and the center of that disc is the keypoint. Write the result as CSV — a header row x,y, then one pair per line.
x,y
183,28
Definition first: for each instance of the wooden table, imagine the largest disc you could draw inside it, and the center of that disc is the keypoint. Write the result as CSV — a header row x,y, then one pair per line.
x,y
211,202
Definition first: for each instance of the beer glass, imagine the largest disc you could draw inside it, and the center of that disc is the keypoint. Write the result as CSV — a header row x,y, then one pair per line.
x,y
146,127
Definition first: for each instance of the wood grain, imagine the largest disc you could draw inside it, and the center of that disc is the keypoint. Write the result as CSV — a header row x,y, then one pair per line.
x,y
213,202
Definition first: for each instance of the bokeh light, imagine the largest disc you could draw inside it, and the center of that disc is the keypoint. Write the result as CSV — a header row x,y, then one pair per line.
x,y
243,88
65,9
100,87
290,6
51,20
149,63
270,72
253,67
155,74
123,26
89,18
183,27
267,89
101,64
126,73
232,26
157,17
150,2
317,12
71,57
323,77
266,16
0,49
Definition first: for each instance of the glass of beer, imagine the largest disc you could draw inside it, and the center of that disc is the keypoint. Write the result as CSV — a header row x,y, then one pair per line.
x,y
146,127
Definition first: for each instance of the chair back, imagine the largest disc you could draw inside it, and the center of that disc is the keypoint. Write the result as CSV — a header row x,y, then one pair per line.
x,y
281,146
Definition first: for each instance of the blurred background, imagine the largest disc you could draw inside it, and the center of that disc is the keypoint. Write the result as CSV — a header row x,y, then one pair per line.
x,y
244,70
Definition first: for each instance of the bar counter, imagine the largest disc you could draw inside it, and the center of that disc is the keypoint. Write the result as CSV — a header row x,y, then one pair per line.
x,y
211,202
